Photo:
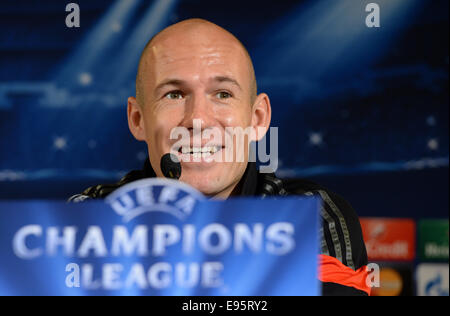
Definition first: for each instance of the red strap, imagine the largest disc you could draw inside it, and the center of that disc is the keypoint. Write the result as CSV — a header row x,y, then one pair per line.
x,y
332,270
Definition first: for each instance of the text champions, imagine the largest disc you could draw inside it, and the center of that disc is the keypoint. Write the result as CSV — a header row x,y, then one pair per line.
x,y
150,257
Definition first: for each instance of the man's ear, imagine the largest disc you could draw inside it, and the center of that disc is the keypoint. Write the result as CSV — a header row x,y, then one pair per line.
x,y
261,116
135,119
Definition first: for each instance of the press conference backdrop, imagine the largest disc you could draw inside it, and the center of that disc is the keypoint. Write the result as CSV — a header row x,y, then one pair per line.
x,y
363,111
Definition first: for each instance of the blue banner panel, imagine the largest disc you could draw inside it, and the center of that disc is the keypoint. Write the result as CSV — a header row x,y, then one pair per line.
x,y
233,247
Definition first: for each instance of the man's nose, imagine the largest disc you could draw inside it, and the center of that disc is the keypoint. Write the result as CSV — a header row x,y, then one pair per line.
x,y
198,107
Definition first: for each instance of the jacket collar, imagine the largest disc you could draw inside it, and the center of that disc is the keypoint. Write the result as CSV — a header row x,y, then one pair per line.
x,y
247,186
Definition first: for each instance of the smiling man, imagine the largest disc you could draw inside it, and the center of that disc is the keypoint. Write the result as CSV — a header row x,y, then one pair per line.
x,y
196,70
198,77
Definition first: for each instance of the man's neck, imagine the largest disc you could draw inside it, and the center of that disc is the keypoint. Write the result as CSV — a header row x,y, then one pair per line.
x,y
232,190
236,188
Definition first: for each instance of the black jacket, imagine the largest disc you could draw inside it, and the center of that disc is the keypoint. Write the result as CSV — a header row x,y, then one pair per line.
x,y
341,235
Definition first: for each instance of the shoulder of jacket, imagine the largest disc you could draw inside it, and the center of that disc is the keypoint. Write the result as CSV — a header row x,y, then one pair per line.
x,y
270,185
341,234
100,191
340,238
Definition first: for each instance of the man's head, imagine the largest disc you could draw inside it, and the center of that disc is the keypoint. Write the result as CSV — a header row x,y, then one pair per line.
x,y
196,70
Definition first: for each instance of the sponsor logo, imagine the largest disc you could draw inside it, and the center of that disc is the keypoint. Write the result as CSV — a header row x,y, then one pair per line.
x,y
391,283
432,280
389,239
433,239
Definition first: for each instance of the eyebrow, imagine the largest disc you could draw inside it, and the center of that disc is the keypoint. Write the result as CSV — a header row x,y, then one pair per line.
x,y
227,79
179,82
169,82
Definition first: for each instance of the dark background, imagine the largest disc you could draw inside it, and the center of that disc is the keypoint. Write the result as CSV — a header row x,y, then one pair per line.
x,y
363,111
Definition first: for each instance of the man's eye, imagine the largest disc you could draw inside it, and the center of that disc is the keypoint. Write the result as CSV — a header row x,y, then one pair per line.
x,y
173,95
223,95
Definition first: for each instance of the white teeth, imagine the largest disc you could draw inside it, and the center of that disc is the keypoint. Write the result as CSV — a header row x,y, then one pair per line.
x,y
200,150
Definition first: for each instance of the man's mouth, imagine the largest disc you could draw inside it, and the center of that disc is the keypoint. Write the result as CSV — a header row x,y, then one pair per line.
x,y
200,152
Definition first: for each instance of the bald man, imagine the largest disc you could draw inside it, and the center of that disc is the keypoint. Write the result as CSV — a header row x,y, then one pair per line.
x,y
195,71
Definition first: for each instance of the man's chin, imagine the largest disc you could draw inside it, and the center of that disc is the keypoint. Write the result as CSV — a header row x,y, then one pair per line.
x,y
207,182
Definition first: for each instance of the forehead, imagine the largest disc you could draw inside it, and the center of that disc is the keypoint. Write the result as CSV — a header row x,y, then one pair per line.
x,y
196,56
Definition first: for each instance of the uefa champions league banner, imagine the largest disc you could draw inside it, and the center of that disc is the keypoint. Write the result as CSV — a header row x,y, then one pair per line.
x,y
160,237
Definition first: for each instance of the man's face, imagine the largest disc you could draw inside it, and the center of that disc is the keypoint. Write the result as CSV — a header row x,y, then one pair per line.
x,y
189,77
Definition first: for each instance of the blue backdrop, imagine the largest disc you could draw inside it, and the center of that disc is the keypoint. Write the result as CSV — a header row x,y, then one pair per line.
x,y
361,110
